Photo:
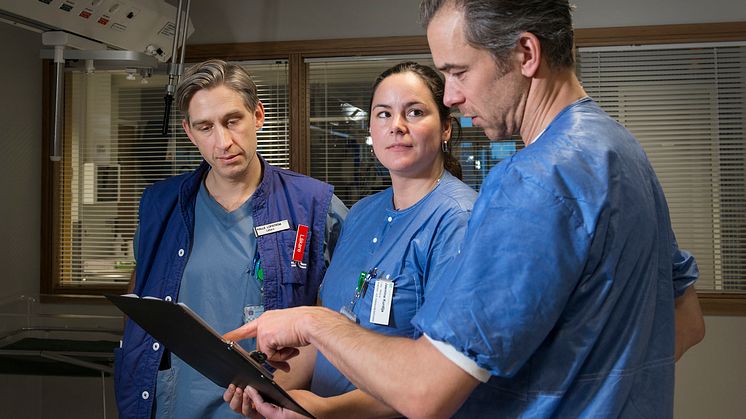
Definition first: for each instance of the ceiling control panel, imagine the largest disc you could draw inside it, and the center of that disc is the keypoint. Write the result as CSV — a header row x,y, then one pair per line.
x,y
145,26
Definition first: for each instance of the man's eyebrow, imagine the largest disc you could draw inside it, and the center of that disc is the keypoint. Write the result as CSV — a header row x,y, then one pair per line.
x,y
195,122
448,67
232,114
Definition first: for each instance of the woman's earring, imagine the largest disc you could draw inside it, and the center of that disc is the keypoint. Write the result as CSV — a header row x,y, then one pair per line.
x,y
444,146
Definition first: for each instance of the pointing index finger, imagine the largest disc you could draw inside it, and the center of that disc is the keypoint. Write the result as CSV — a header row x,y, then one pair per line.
x,y
244,332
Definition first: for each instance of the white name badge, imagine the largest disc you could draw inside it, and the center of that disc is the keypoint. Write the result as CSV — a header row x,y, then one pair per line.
x,y
271,228
383,294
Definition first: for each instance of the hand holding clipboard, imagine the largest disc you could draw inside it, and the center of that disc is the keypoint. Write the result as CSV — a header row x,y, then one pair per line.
x,y
189,337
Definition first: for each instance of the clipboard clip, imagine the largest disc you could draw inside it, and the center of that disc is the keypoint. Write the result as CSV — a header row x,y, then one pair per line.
x,y
258,356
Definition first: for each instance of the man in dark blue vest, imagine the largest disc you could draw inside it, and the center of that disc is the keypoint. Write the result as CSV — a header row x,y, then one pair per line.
x,y
230,239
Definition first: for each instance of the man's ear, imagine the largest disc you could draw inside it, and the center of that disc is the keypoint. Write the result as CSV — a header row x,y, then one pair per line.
x,y
259,115
529,49
188,130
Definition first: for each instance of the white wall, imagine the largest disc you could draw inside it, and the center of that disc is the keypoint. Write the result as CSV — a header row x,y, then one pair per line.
x,y
20,172
606,13
218,21
711,379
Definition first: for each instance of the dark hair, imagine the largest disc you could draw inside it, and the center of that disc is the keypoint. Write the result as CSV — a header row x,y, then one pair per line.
x,y
495,25
213,73
435,84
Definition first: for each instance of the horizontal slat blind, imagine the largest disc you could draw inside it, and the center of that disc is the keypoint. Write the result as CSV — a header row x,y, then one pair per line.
x,y
114,149
686,107
341,152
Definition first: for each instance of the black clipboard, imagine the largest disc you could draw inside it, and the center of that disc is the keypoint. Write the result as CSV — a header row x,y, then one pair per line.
x,y
199,345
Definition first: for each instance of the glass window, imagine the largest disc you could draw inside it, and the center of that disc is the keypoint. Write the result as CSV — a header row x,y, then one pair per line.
x,y
686,106
685,103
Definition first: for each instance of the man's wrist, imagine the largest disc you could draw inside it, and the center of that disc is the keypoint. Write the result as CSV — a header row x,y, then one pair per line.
x,y
320,322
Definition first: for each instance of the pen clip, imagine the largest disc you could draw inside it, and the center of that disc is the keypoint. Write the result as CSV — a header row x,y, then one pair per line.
x,y
371,274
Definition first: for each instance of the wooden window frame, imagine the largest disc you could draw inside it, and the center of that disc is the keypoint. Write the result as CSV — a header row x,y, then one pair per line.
x,y
296,52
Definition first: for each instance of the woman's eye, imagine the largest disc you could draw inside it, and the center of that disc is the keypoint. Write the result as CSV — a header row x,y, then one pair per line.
x,y
383,114
415,112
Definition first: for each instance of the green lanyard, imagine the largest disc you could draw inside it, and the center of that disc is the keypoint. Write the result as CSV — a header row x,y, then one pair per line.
x,y
259,272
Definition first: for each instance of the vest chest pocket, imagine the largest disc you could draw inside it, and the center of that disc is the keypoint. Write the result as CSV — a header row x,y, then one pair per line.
x,y
291,246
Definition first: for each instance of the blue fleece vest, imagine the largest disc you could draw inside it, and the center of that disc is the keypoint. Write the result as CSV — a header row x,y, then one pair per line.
x,y
166,230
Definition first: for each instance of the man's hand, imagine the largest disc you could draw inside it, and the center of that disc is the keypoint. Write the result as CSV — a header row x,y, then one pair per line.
x,y
382,366
250,403
279,332
239,402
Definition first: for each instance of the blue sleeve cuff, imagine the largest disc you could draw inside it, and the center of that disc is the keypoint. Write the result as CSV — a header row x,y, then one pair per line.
x,y
685,271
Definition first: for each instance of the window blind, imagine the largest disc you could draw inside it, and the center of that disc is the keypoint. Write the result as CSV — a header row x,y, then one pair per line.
x,y
114,149
341,150
685,104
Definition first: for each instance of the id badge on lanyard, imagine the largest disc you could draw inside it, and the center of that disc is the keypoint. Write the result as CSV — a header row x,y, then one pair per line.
x,y
383,293
362,286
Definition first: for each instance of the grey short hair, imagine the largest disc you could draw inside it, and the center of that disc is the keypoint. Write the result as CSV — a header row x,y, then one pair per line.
x,y
213,73
495,25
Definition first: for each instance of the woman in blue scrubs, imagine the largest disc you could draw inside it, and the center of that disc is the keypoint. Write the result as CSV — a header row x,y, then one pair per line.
x,y
391,241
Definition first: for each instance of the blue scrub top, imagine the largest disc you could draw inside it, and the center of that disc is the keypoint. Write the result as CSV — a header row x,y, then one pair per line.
x,y
218,282
404,247
564,288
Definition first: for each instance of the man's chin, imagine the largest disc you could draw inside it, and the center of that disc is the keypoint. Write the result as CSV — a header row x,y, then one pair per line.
x,y
229,171
495,135
499,133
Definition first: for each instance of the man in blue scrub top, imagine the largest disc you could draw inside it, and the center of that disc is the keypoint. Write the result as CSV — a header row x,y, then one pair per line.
x,y
231,239
570,297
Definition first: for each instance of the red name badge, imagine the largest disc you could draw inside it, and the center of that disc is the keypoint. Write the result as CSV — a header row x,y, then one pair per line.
x,y
300,245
